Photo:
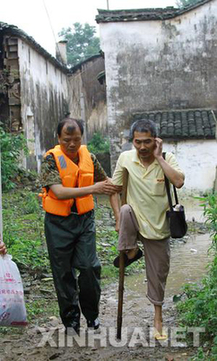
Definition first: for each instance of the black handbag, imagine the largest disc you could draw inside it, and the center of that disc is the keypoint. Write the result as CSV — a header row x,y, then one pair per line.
x,y
176,214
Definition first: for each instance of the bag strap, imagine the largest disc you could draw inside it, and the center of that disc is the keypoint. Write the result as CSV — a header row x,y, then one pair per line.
x,y
168,189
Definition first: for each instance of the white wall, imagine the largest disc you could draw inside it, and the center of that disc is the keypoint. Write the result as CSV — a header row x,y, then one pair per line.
x,y
161,64
43,88
198,160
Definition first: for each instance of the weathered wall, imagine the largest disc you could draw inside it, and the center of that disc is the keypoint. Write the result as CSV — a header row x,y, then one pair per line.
x,y
10,102
44,94
88,97
152,65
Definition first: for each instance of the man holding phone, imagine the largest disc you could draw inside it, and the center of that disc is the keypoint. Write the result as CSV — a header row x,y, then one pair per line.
x,y
144,216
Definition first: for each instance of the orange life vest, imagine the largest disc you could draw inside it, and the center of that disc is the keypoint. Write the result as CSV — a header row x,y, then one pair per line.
x,y
72,175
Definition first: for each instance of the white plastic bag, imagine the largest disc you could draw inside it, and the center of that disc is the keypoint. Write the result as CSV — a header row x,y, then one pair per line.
x,y
12,305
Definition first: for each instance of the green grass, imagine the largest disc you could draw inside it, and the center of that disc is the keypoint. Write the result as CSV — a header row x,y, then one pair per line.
x,y
41,310
23,230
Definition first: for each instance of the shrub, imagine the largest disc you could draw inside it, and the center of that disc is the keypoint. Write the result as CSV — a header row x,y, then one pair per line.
x,y
200,307
98,144
12,146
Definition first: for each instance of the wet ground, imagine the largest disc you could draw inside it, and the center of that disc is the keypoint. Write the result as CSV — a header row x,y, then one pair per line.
x,y
193,210
188,264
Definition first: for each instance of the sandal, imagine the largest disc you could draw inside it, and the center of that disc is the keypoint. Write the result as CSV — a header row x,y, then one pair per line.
x,y
160,336
128,261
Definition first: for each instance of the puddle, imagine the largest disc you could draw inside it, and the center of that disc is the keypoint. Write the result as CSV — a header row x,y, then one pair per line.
x,y
188,262
188,265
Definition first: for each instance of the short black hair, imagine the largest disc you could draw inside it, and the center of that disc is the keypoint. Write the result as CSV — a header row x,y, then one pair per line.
x,y
143,125
78,122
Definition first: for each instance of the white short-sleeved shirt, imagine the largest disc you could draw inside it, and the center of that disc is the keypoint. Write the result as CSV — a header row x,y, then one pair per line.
x,y
146,192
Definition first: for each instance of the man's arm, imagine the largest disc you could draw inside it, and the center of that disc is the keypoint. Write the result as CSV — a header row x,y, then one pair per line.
x,y
175,177
115,204
105,187
50,178
99,173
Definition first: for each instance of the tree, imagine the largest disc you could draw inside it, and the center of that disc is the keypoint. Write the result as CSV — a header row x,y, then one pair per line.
x,y
81,42
182,3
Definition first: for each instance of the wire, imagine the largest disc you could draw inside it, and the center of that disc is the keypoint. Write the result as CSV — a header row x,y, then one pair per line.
x,y
49,19
57,45
51,26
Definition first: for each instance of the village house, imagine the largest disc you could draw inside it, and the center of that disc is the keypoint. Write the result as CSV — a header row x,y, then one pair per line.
x,y
163,63
158,62
37,90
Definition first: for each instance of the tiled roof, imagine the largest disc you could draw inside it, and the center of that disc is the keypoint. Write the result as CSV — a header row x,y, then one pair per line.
x,y
183,124
106,16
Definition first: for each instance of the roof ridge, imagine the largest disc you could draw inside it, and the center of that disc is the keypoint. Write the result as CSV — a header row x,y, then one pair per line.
x,y
14,30
175,110
146,13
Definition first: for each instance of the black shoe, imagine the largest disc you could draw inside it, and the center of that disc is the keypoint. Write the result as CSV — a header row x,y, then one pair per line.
x,y
93,324
128,261
71,321
69,330
72,328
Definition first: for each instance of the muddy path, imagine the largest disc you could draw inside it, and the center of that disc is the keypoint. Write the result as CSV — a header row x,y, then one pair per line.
x,y
44,342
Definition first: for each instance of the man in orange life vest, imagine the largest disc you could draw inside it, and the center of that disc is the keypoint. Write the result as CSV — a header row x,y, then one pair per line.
x,y
69,173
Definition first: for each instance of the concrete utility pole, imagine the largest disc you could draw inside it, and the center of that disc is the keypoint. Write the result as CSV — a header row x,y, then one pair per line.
x,y
107,4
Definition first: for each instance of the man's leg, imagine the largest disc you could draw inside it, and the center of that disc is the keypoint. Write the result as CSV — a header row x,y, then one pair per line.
x,y
158,318
128,230
157,259
86,260
128,233
60,243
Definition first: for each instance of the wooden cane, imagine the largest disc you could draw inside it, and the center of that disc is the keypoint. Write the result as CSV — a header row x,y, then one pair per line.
x,y
121,262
